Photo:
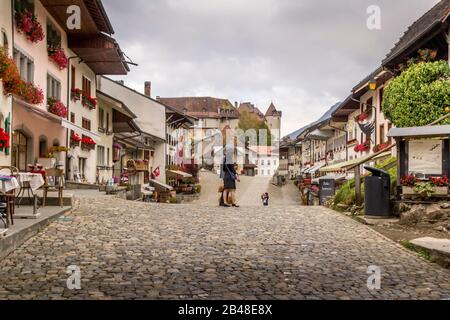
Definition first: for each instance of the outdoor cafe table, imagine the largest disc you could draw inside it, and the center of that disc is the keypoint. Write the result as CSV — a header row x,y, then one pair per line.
x,y
8,184
30,182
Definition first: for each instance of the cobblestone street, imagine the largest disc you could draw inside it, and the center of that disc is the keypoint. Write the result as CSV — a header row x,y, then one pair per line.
x,y
131,250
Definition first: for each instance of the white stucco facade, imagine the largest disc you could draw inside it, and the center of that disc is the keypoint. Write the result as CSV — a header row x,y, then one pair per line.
x,y
5,101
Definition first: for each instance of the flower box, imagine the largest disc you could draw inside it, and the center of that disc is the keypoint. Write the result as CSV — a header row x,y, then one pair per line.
x,y
89,102
58,56
57,108
75,95
27,24
438,191
87,144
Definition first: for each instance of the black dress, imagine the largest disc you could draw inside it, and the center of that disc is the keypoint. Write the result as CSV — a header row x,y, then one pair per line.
x,y
229,174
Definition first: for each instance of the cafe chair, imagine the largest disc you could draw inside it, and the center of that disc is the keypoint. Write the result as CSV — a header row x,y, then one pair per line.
x,y
9,197
54,182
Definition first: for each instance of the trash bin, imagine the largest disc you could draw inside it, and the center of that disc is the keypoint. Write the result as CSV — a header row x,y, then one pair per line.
x,y
327,189
377,193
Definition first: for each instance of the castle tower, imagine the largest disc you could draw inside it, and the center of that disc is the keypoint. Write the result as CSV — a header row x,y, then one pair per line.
x,y
273,119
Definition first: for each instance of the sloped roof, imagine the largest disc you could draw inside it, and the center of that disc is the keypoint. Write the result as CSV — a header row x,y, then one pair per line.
x,y
201,107
272,111
249,107
435,17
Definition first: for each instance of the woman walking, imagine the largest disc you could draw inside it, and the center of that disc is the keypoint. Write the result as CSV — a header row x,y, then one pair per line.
x,y
230,177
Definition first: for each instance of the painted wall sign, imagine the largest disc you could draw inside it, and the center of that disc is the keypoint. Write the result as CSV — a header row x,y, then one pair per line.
x,y
425,156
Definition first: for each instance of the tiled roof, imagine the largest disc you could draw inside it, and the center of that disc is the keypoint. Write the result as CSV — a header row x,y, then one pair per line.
x,y
435,16
202,107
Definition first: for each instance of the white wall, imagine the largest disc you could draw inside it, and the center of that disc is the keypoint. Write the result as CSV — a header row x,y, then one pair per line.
x,y
5,102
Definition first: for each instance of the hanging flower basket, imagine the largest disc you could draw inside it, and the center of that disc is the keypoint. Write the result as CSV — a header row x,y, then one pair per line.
x,y
27,24
57,108
58,56
75,94
87,144
89,102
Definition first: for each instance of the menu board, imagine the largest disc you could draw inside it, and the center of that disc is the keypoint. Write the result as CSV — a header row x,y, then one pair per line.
x,y
425,156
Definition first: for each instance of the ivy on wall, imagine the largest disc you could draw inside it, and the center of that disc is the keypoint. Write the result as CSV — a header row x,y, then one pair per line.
x,y
419,95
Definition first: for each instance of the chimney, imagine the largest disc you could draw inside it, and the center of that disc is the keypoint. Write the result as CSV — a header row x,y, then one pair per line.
x,y
121,82
148,89
236,104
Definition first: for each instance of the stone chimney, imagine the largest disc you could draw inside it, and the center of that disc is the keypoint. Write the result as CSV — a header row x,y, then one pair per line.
x,y
148,89
236,104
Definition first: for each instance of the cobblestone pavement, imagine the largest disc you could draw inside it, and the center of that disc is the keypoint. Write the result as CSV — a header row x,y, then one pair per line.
x,y
131,250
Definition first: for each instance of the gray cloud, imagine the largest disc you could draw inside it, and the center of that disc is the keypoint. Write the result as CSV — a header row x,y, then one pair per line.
x,y
304,55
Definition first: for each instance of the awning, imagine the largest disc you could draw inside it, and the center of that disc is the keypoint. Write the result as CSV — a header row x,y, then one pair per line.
x,y
160,186
347,165
69,125
180,173
315,168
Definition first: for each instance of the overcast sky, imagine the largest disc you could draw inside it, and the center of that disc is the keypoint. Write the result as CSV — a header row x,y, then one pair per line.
x,y
304,55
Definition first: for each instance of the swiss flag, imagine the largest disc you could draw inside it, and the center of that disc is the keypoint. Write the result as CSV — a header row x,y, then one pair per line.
x,y
157,172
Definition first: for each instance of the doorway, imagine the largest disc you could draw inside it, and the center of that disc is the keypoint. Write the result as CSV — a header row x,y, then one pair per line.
x,y
19,151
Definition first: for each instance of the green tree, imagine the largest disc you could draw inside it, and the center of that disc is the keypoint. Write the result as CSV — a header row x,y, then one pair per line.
x,y
419,95
249,121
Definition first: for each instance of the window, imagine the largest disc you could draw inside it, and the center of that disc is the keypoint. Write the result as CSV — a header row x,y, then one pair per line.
x,y
107,122
5,42
86,86
86,124
101,118
73,78
107,156
25,65
262,163
389,129
268,172
262,172
268,162
53,35
22,5
53,88
382,133
100,156
72,117
43,147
